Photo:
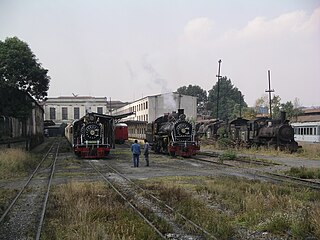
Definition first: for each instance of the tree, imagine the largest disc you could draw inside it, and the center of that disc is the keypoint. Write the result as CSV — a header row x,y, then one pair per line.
x,y
291,109
229,97
276,106
196,91
20,75
20,69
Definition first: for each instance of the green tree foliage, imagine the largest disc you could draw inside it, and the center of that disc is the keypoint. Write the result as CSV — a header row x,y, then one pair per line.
x,y
230,99
195,91
291,109
20,74
20,69
14,103
249,113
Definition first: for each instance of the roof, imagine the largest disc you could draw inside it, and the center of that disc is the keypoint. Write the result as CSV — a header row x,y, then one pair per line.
x,y
306,118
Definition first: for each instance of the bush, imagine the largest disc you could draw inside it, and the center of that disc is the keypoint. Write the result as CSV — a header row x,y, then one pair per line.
x,y
228,155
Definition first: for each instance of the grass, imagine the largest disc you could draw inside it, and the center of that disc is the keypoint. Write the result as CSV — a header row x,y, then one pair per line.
x,y
5,196
228,155
303,172
91,211
309,151
16,163
223,205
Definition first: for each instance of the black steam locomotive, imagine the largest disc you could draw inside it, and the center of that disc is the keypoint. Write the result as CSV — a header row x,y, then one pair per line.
x,y
272,133
172,134
92,136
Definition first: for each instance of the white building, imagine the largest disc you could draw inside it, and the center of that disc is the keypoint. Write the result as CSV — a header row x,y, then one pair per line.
x,y
151,107
67,109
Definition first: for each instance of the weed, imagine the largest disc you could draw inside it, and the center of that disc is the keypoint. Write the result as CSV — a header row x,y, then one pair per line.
x,y
16,163
228,155
303,172
91,211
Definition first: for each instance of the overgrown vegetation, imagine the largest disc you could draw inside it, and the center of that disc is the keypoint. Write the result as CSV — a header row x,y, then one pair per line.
x,y
224,205
16,163
228,155
5,196
309,151
303,172
91,211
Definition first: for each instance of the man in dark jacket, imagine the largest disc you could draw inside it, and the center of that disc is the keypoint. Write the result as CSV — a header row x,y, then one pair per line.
x,y
135,149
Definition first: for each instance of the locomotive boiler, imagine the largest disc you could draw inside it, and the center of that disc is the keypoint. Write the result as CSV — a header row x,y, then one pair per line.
x,y
173,134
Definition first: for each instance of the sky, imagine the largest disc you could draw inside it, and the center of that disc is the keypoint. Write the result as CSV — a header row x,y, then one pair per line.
x,y
129,49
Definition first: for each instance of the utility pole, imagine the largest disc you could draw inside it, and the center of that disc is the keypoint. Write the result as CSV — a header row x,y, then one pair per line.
x,y
218,95
269,91
110,107
240,103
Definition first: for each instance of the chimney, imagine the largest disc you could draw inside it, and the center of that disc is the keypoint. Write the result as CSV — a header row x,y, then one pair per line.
x,y
283,116
180,111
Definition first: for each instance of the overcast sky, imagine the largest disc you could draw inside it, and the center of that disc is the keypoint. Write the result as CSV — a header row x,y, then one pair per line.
x,y
127,49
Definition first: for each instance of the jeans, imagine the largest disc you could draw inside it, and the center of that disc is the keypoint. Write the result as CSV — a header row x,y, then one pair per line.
x,y
135,159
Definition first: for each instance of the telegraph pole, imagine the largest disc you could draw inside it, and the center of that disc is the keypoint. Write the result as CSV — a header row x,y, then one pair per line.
x,y
240,103
218,95
269,91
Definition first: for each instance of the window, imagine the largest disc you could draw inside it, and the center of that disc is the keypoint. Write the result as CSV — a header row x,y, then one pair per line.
x,y
76,113
52,113
64,113
146,105
100,110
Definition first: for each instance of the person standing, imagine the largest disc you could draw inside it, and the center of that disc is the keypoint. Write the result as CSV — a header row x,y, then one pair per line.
x,y
146,152
135,149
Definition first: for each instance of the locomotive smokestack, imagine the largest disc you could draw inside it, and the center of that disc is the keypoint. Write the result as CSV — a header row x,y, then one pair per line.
x,y
283,116
180,111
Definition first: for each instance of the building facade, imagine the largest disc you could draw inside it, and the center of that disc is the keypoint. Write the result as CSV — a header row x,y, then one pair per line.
x,y
307,126
149,108
67,109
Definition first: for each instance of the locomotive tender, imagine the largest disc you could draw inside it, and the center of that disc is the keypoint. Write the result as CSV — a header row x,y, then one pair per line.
x,y
172,134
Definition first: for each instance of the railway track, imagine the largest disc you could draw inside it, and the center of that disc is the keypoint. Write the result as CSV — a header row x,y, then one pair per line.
x,y
135,196
263,174
24,216
241,159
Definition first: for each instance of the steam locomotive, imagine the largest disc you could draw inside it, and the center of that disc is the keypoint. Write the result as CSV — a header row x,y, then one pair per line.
x,y
263,131
273,133
93,135
172,134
